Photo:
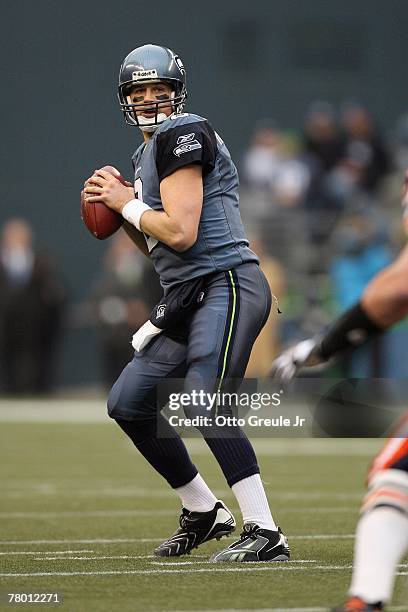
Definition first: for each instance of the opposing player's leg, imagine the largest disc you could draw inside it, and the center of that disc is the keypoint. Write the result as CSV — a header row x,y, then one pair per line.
x,y
132,404
221,337
382,531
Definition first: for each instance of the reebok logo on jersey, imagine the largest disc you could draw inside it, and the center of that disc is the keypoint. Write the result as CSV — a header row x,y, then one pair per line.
x,y
186,143
185,138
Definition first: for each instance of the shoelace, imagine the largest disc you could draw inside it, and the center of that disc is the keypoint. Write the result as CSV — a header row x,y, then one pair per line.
x,y
248,532
184,519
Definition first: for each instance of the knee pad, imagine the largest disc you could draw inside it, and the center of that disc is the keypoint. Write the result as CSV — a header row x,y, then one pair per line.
x,y
124,403
118,406
387,488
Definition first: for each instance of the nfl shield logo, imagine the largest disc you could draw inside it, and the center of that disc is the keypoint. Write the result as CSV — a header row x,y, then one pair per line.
x,y
160,311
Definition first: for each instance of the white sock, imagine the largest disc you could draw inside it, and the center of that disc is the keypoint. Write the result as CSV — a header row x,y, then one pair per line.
x,y
381,541
196,496
253,502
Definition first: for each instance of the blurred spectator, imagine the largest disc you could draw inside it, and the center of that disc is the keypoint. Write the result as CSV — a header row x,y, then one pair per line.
x,y
266,346
361,248
123,296
314,204
350,167
260,165
277,180
323,142
340,188
324,150
273,165
262,160
292,177
364,144
31,302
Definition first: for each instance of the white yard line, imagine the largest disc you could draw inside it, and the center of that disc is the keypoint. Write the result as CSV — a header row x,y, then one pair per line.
x,y
83,541
45,552
99,557
278,568
93,558
210,562
312,609
195,561
108,513
25,489
389,609
90,513
324,536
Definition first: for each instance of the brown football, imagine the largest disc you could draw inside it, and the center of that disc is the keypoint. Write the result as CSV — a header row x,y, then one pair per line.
x,y
100,220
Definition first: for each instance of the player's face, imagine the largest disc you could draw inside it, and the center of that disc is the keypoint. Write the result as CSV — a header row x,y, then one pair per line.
x,y
153,93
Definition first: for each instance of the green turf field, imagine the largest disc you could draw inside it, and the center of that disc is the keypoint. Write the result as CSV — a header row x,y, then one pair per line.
x,y
81,512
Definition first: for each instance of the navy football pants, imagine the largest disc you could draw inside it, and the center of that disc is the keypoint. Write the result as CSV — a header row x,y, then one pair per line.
x,y
221,334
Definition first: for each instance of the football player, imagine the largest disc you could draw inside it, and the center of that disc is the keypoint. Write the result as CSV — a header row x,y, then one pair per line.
x,y
382,531
184,213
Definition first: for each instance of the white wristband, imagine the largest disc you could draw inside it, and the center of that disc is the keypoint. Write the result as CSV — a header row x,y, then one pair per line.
x,y
133,210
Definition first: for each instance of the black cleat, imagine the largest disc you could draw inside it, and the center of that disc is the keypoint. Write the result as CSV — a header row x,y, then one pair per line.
x,y
197,528
356,604
256,544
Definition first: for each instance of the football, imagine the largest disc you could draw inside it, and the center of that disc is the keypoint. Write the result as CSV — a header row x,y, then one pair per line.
x,y
100,220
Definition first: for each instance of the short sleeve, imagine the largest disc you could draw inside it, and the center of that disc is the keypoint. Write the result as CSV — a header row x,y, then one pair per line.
x,y
182,145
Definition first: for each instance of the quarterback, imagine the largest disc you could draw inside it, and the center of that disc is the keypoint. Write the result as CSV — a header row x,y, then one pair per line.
x,y
183,212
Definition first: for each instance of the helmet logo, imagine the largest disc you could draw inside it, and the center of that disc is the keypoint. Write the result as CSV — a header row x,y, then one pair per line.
x,y
137,75
179,64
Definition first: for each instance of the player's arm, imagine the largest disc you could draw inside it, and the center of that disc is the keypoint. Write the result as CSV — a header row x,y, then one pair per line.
x,y
184,154
385,299
384,302
182,199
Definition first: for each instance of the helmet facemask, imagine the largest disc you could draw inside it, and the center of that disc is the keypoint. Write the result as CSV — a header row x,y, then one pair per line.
x,y
149,124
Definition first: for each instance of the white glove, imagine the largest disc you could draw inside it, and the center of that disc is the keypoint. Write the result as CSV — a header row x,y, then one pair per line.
x,y
302,355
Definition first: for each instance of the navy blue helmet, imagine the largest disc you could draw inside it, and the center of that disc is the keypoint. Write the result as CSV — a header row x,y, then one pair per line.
x,y
151,64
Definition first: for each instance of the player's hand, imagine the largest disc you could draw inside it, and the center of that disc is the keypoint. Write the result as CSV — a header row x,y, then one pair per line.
x,y
302,355
103,187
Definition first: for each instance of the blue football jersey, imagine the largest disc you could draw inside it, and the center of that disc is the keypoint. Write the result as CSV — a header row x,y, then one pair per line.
x,y
221,243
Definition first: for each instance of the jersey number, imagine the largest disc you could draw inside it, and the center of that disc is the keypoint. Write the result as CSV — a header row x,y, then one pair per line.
x,y
150,241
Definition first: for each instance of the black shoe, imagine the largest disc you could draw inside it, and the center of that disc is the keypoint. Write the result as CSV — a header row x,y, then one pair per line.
x,y
197,528
356,604
256,544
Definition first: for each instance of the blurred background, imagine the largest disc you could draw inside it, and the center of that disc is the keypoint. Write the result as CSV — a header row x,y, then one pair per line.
x,y
310,98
